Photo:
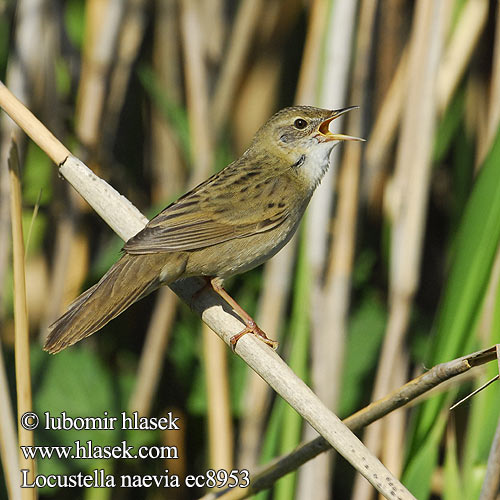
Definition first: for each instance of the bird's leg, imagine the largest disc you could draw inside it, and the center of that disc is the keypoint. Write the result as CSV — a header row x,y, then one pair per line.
x,y
251,326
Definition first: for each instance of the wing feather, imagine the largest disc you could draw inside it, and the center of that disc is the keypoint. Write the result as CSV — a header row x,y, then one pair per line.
x,y
199,219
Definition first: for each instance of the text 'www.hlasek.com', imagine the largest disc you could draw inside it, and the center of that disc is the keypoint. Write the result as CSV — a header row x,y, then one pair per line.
x,y
100,478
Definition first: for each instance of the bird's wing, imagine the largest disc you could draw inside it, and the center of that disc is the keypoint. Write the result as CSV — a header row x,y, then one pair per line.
x,y
206,216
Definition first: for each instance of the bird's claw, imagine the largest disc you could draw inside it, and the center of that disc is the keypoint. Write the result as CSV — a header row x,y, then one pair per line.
x,y
254,329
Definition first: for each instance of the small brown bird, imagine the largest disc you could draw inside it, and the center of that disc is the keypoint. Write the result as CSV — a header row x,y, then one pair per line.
x,y
232,222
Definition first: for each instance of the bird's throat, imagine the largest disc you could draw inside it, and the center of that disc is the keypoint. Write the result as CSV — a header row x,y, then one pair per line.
x,y
316,163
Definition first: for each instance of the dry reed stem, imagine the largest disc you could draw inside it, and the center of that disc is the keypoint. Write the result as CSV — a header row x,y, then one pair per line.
x,y
153,352
409,189
392,33
410,392
112,207
68,219
32,126
5,229
456,58
494,94
21,325
196,80
333,93
278,271
167,182
220,424
383,132
103,21
256,101
309,69
64,240
245,24
491,483
336,62
335,298
131,32
177,438
8,441
22,71
460,49
339,34
270,316
202,142
126,220
336,292
214,31
413,159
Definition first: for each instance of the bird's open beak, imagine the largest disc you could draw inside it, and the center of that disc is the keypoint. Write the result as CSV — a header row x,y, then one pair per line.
x,y
324,128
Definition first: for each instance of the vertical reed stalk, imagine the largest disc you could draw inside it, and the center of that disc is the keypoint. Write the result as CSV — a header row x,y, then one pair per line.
x,y
8,442
22,345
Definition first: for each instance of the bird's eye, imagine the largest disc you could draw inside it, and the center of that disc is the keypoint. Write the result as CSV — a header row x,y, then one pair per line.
x,y
300,123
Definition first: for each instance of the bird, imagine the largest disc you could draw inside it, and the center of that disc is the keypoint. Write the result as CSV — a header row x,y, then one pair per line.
x,y
234,221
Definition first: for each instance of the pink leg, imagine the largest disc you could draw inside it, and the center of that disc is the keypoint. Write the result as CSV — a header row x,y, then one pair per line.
x,y
251,326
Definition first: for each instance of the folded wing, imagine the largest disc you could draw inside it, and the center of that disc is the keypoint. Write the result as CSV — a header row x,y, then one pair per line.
x,y
200,219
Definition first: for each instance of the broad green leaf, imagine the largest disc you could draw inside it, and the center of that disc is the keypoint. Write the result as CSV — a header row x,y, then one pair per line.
x,y
483,419
476,244
366,330
453,487
423,463
474,252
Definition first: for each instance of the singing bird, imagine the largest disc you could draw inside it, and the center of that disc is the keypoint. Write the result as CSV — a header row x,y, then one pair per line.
x,y
232,222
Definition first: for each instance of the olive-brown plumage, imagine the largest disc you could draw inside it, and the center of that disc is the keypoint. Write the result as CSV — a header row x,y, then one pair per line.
x,y
232,222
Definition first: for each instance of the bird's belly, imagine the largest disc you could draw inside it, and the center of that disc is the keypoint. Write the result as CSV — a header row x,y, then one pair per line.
x,y
240,254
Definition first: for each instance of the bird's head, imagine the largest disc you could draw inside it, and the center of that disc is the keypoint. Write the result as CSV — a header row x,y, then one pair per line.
x,y
300,136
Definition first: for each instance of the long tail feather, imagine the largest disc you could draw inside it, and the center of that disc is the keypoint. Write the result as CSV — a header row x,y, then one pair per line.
x,y
130,279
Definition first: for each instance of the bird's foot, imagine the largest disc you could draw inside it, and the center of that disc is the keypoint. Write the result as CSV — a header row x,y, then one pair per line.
x,y
251,325
254,329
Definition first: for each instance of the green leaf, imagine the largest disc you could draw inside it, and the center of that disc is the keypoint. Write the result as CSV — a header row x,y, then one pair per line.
x,y
38,227
366,330
448,125
74,17
453,487
474,251
175,114
272,439
483,419
423,462
78,383
37,176
63,77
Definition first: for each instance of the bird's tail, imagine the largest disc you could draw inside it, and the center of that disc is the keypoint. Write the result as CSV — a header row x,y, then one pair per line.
x,y
131,278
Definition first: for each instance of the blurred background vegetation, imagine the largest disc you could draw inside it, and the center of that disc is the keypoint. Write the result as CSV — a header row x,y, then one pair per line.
x,y
395,269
